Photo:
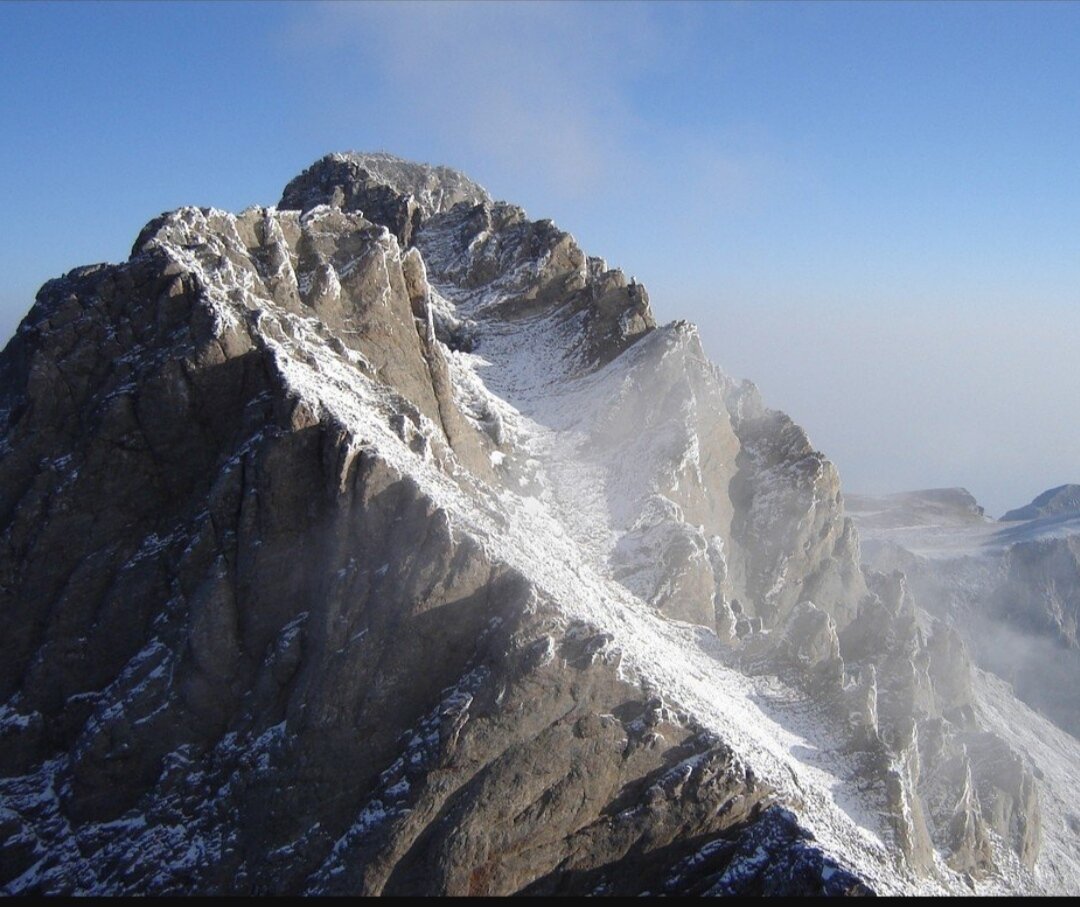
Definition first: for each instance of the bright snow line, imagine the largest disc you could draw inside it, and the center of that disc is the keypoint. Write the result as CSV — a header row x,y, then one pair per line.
x,y
784,741
673,658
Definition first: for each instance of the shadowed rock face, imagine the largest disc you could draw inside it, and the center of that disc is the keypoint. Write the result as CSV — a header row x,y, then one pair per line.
x,y
275,617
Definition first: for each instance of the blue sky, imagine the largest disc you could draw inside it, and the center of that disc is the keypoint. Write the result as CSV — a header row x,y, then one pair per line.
x,y
872,210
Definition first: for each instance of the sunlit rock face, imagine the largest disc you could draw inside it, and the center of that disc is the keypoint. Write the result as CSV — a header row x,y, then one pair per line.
x,y
381,542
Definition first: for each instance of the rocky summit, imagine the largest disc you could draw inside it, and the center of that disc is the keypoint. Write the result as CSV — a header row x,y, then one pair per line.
x,y
381,542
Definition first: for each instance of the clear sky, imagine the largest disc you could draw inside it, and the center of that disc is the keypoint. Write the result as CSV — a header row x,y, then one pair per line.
x,y
872,210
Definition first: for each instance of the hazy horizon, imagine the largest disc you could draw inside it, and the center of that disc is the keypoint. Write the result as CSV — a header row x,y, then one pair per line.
x,y
868,209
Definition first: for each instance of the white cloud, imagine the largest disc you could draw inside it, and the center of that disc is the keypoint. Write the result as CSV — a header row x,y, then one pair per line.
x,y
528,93
548,104
534,88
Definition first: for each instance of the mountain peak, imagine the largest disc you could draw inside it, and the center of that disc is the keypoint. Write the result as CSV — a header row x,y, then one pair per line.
x,y
388,190
355,543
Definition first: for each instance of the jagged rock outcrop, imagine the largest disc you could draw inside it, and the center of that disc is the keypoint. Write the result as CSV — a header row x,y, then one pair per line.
x,y
393,193
1011,586
381,543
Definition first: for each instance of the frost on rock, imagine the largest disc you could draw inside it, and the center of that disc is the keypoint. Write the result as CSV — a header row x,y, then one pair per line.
x,y
381,542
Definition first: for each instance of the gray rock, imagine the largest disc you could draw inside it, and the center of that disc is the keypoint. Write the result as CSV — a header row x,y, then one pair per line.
x,y
388,191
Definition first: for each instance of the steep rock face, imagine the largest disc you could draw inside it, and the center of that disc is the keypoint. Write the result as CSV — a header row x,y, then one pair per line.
x,y
1042,589
253,598
798,543
665,432
392,478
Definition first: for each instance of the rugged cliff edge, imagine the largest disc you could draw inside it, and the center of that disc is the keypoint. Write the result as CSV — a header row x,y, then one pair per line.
x,y
382,543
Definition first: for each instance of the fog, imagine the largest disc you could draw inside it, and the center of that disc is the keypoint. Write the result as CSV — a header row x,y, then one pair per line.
x,y
908,398
1015,606
1044,673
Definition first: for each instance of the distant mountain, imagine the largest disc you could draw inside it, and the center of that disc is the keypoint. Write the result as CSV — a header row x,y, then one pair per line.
x,y
1012,587
930,507
1061,501
381,542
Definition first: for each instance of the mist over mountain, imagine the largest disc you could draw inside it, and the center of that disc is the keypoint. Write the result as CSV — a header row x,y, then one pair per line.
x,y
382,542
1012,586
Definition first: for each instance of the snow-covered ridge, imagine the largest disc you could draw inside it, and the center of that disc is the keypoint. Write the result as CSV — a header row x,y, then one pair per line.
x,y
949,523
515,397
536,392
774,728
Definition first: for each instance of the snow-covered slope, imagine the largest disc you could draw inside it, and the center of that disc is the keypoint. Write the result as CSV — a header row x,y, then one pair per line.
x,y
404,553
1055,502
1055,754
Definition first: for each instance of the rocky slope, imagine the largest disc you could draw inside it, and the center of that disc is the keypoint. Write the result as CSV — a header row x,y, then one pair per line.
x,y
381,542
1013,585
